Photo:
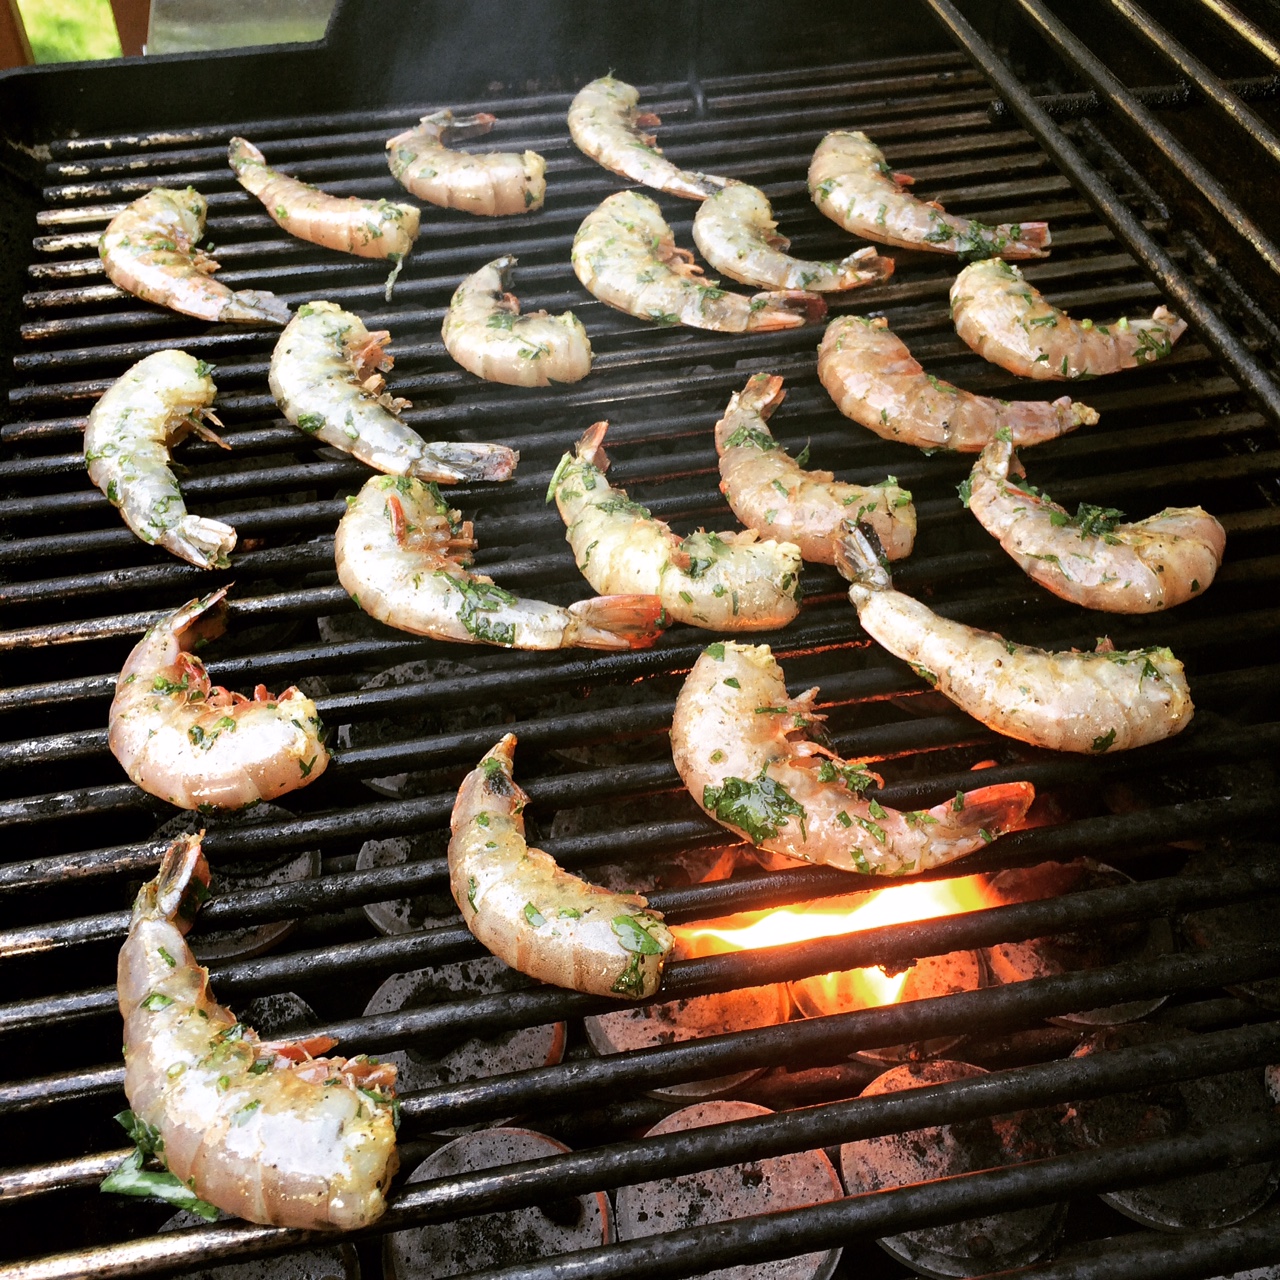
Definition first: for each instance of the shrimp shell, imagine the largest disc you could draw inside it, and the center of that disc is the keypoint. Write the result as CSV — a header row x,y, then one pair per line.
x,y
531,914
195,744
265,1131
127,440
494,184
722,581
875,380
625,254
735,231
325,377
149,249
1007,322
401,555
605,125
1069,701
486,334
771,493
850,182
742,746
1143,567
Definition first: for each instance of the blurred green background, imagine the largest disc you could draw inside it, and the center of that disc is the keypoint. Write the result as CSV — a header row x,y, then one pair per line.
x,y
70,30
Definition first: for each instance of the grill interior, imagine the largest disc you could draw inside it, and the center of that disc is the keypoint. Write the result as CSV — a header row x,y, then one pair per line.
x,y
409,717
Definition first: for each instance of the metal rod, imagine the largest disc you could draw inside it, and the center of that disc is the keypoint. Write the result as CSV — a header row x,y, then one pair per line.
x,y
1245,28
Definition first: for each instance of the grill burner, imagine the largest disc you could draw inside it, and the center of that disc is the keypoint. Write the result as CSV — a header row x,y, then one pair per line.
x,y
77,588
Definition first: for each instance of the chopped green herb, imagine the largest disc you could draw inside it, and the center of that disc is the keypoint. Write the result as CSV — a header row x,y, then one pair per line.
x,y
533,915
1103,742
758,806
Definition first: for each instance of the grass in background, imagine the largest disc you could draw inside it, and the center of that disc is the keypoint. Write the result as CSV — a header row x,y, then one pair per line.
x,y
70,30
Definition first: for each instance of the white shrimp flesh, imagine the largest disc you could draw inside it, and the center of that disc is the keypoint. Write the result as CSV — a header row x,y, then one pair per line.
x,y
1007,322
851,182
271,1131
744,748
1108,700
494,184
196,744
402,556
1091,558
735,231
151,250
535,916
873,379
326,376
486,334
605,125
773,494
127,443
624,253
721,581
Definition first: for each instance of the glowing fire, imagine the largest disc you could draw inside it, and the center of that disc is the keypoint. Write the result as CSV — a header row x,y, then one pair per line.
x,y
853,988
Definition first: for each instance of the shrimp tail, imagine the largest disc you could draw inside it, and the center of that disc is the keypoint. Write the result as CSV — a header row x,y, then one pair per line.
x,y
866,266
459,128
450,463
181,885
860,557
1035,235
201,541
202,619
591,447
982,814
762,394
256,304
786,309
618,622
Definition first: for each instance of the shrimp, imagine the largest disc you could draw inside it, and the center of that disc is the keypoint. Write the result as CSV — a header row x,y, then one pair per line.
x,y
1108,700
875,380
486,334
494,184
131,429
735,231
531,914
366,228
1091,558
263,1130
721,581
149,249
743,748
605,125
852,184
197,745
325,377
771,493
625,254
401,555
1007,322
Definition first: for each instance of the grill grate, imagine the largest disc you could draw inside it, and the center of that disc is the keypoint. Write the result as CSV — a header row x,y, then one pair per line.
x,y
77,588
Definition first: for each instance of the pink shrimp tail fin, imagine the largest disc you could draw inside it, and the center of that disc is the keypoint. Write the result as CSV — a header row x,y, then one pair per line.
x,y
1026,240
591,447
865,267
461,127
994,810
618,622
762,394
201,619
786,309
182,882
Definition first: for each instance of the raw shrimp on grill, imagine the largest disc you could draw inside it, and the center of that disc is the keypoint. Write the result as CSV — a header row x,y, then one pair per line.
x,y
735,231
535,916
625,254
721,581
1007,322
402,555
196,744
605,125
875,380
325,377
494,184
269,1131
850,182
773,494
150,249
1091,558
366,228
131,430
486,334
744,749
1108,700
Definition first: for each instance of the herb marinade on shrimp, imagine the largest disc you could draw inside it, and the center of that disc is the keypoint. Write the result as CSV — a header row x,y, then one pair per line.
x,y
495,184
402,556
721,581
272,1132
744,748
127,443
770,492
325,377
535,916
1092,558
